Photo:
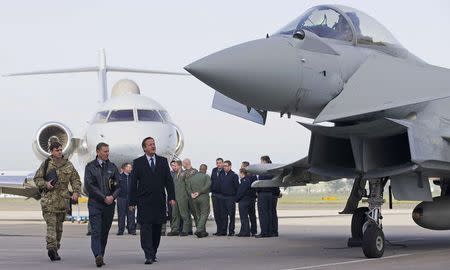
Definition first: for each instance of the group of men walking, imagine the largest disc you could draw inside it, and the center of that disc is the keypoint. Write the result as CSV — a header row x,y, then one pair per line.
x,y
147,188
157,192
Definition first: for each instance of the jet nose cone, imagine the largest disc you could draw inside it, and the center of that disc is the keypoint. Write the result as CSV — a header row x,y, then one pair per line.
x,y
254,73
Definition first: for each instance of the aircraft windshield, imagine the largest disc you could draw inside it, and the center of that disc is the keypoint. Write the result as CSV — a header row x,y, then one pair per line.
x,y
100,117
368,30
149,116
165,116
322,21
330,22
121,116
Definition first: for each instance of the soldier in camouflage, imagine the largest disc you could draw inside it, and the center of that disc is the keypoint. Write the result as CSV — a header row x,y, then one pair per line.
x,y
55,195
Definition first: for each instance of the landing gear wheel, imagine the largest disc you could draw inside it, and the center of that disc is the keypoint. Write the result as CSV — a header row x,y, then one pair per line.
x,y
373,241
358,219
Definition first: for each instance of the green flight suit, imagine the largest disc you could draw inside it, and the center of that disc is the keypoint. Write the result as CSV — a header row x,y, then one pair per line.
x,y
55,202
180,211
200,183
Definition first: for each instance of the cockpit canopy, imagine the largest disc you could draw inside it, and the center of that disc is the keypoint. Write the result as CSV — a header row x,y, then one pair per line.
x,y
342,23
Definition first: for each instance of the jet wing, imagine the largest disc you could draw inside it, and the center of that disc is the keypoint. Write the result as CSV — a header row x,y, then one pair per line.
x,y
383,83
293,174
18,183
228,105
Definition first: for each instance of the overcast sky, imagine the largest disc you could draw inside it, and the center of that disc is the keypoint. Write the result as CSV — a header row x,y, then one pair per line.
x,y
166,35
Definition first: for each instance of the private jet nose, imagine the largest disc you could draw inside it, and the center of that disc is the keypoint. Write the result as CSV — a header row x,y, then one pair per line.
x,y
264,74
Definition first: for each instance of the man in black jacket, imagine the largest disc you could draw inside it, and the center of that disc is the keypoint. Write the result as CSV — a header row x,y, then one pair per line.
x,y
150,180
216,196
229,184
101,179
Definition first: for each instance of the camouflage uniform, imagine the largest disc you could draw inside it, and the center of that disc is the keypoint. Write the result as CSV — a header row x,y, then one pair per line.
x,y
54,203
200,183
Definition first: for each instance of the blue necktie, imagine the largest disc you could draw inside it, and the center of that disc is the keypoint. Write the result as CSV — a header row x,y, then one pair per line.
x,y
152,165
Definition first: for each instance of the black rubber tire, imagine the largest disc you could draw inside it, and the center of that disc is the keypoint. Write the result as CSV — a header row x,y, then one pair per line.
x,y
358,219
373,241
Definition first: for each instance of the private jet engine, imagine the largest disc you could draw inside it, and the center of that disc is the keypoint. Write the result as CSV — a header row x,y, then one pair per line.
x,y
49,132
433,215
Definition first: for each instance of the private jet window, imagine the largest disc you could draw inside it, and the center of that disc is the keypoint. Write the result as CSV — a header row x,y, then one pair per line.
x,y
100,117
149,116
121,116
165,115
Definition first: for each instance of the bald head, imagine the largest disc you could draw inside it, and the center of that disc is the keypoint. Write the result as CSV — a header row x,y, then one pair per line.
x,y
187,164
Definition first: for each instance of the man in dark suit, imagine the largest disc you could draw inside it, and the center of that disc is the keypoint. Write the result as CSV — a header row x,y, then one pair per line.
x,y
229,184
150,181
216,196
123,213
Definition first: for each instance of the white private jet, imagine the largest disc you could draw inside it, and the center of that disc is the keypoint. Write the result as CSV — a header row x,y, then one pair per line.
x,y
121,121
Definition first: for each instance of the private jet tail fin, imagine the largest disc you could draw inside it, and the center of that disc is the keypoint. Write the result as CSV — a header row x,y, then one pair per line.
x,y
101,69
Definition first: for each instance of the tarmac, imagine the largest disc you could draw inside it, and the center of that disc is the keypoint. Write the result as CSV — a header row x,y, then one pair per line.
x,y
309,239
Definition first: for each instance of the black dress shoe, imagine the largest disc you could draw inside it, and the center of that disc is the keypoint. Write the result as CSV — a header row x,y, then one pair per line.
x,y
148,261
262,235
99,261
231,234
132,233
222,234
119,233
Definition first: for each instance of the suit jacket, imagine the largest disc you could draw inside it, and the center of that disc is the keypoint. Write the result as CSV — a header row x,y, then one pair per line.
x,y
148,190
124,186
215,180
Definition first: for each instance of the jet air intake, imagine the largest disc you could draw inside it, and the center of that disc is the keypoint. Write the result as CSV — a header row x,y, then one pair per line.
x,y
50,132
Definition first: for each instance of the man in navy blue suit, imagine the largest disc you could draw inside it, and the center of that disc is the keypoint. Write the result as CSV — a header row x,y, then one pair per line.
x,y
150,181
123,213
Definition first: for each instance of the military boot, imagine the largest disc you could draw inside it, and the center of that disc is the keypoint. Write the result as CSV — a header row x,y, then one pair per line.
x,y
57,257
52,254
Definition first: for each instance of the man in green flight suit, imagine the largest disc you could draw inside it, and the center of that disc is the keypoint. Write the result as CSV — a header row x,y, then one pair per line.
x,y
52,179
198,186
180,211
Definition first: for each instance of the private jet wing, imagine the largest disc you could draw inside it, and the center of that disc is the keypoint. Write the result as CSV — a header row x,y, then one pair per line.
x,y
18,183
297,173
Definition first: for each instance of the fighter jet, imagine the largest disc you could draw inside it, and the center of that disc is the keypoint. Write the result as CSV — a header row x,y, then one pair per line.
x,y
122,121
387,112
